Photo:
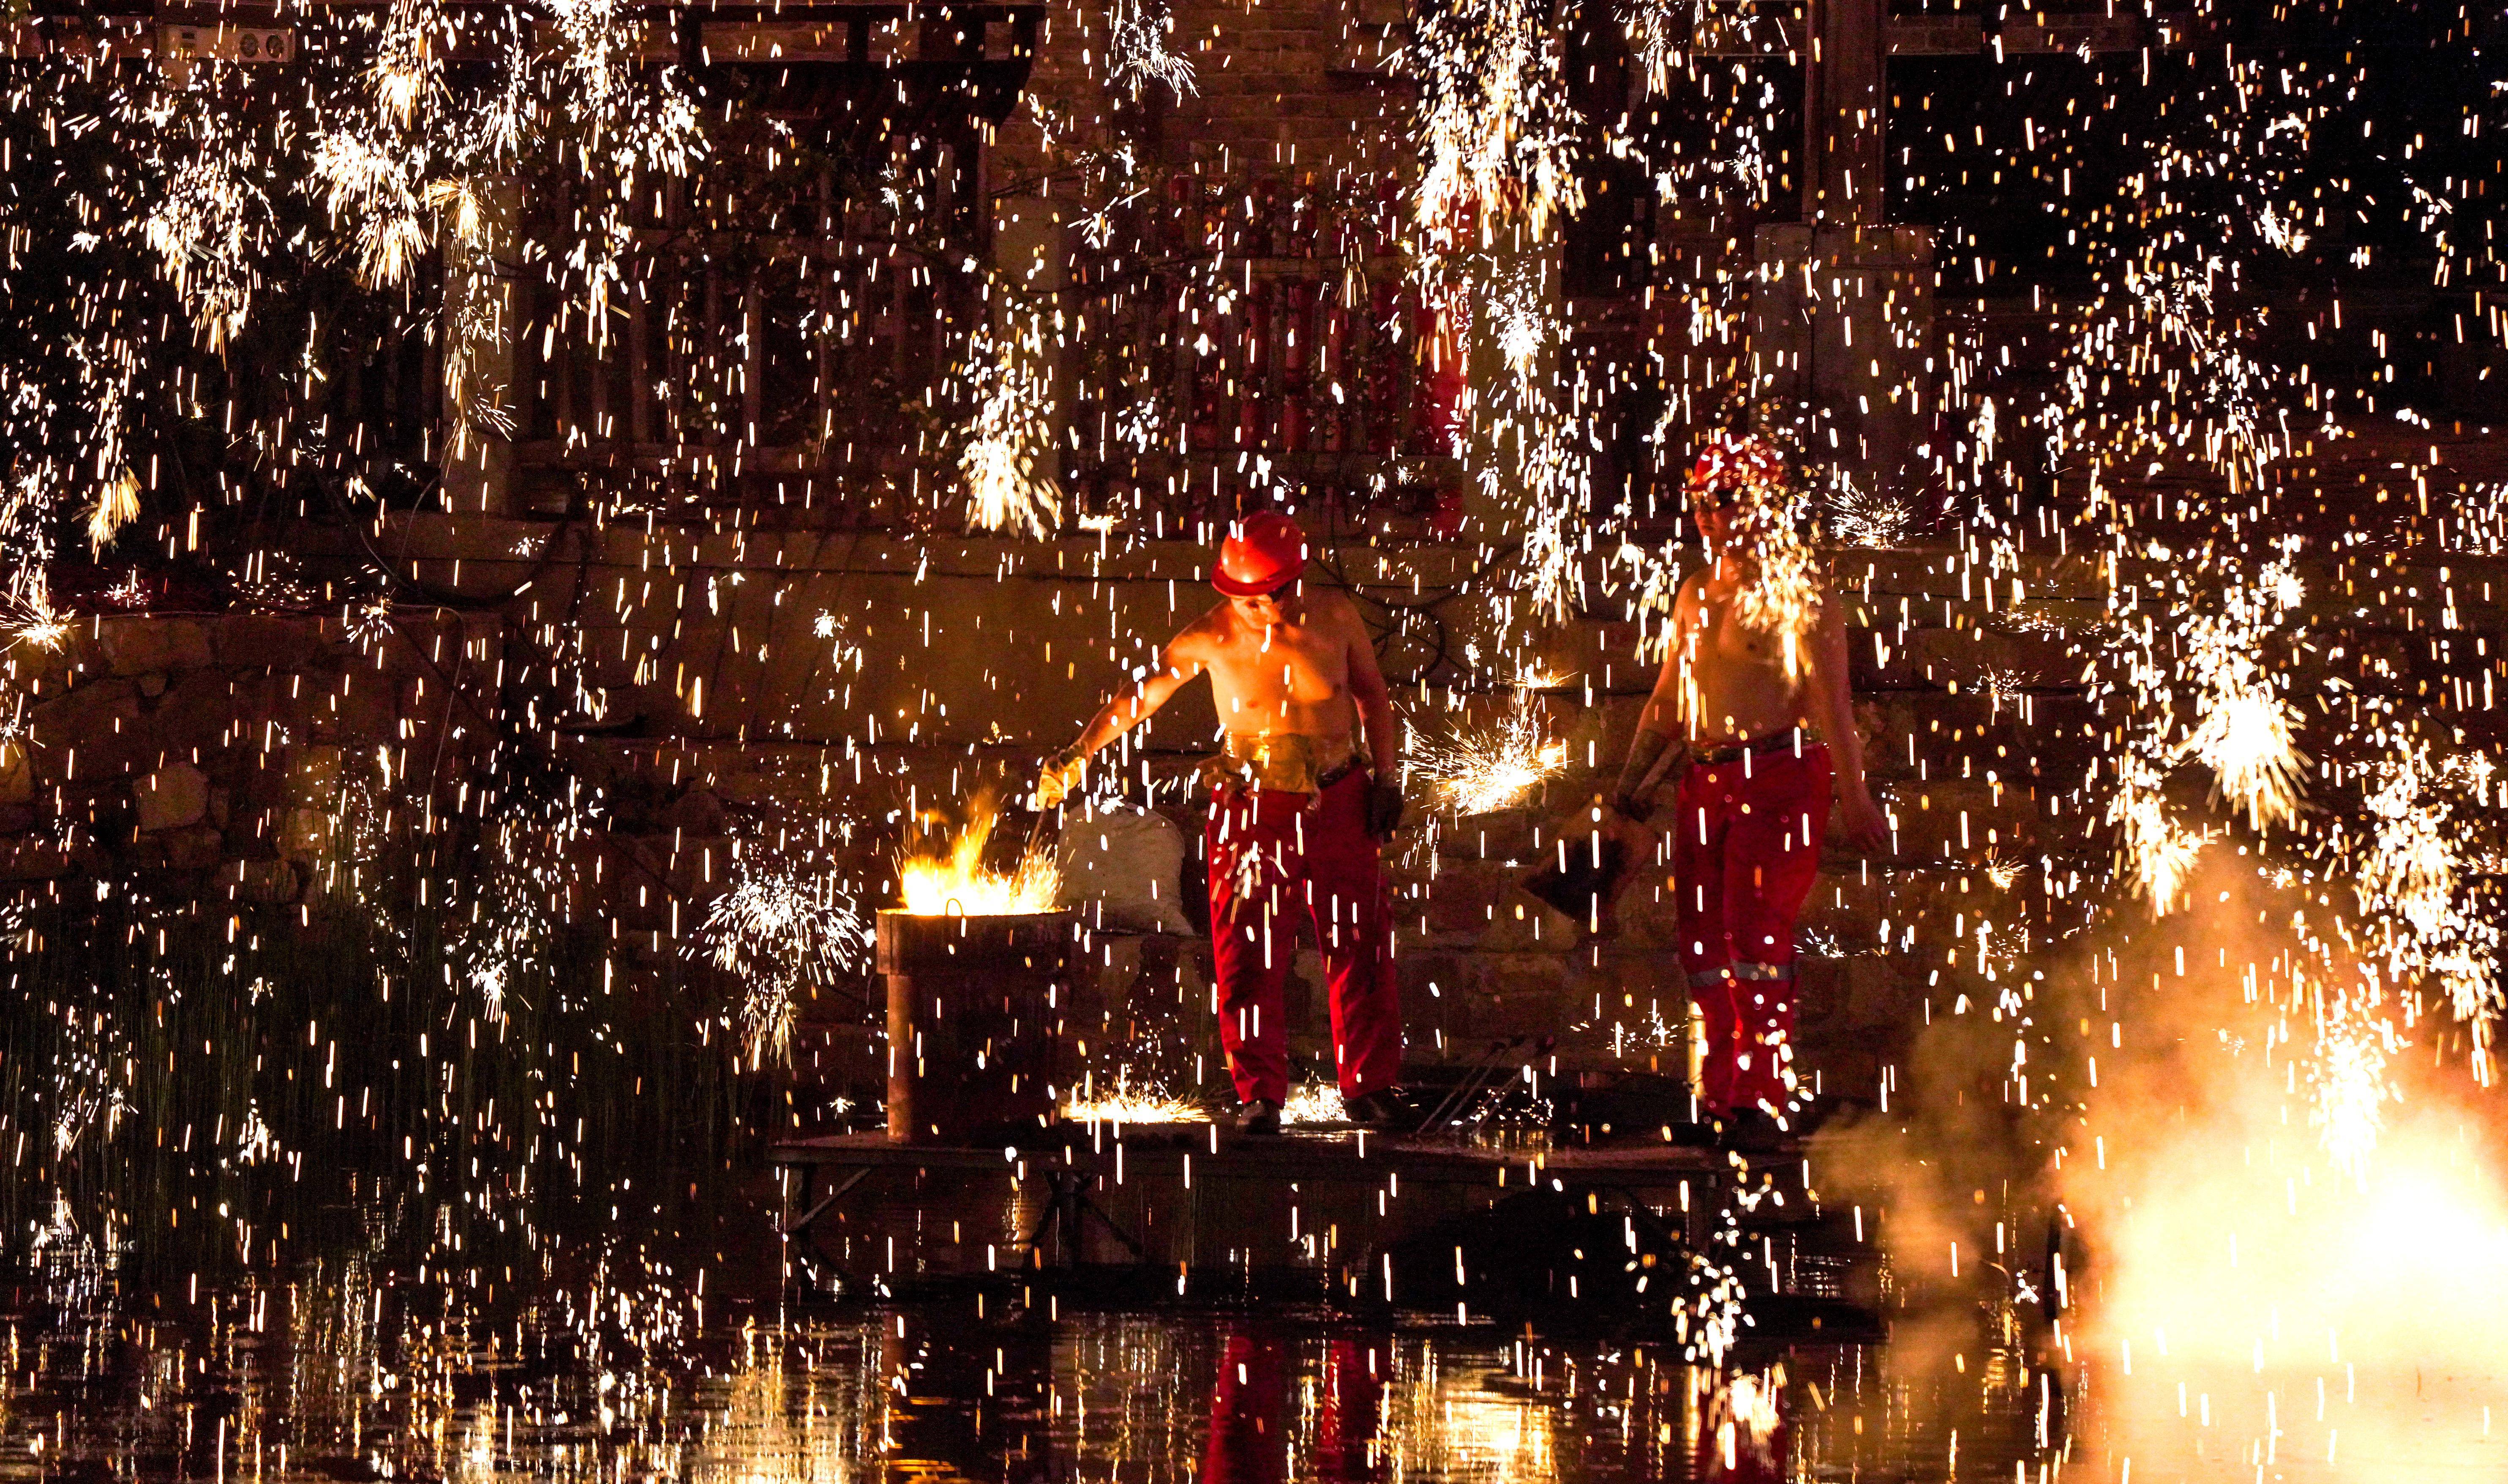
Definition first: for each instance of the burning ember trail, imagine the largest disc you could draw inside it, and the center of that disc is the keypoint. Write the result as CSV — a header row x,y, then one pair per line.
x,y
1765,740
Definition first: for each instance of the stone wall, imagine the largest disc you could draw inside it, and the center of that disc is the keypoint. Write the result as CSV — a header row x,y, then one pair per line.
x,y
216,753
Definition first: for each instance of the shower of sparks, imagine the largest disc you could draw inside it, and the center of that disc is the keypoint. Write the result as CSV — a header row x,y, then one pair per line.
x,y
1313,1103
117,503
2348,1086
1858,516
1537,412
369,623
2158,854
2423,913
1007,458
1476,771
1658,32
1498,131
530,465
1137,48
2245,738
2245,731
1124,1105
781,929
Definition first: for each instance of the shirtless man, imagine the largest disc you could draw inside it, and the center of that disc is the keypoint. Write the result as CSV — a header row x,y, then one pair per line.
x,y
1750,714
1294,817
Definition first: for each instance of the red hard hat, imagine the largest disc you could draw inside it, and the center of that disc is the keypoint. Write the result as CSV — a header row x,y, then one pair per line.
x,y
1262,553
1734,464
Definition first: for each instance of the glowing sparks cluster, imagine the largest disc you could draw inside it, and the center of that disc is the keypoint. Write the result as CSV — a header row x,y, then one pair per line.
x,y
2347,1084
1006,460
2424,918
1137,48
2158,853
779,929
1128,1105
2245,732
1496,128
1474,771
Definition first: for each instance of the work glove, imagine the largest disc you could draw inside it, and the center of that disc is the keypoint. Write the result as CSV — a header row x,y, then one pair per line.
x,y
1061,776
1383,808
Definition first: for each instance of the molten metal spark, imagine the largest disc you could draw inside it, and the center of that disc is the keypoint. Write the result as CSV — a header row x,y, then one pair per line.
x,y
1473,772
1315,1102
778,930
117,504
1137,48
1497,126
2159,852
1008,451
1124,1105
2246,739
2348,1088
1867,517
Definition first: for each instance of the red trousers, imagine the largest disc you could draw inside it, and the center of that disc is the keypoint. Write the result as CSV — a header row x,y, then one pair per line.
x,y
1746,846
1254,1427
1274,858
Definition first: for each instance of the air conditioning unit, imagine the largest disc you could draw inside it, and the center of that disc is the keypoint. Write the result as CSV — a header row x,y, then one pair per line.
x,y
228,43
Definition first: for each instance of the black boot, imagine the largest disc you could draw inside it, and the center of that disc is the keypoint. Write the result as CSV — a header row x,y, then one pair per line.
x,y
1386,1111
1260,1116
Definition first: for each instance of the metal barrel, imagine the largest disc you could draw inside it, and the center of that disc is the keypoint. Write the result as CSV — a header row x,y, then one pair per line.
x,y
976,1006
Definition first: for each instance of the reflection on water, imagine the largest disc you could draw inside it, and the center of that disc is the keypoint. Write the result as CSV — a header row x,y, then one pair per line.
x,y
339,1370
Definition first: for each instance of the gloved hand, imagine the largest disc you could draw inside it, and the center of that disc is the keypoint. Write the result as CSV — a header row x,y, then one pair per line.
x,y
1061,773
1383,808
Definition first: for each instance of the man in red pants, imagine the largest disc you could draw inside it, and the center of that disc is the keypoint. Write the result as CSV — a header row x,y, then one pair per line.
x,y
1297,813
1754,662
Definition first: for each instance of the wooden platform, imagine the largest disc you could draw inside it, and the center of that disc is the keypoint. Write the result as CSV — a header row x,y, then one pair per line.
x,y
1185,1196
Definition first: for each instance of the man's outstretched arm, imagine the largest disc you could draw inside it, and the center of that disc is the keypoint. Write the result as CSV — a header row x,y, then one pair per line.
x,y
1179,665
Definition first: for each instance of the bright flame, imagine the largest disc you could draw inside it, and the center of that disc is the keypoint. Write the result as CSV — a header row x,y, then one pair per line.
x,y
2252,1271
961,884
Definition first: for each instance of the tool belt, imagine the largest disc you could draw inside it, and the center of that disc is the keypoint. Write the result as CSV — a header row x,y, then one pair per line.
x,y
1792,740
1281,762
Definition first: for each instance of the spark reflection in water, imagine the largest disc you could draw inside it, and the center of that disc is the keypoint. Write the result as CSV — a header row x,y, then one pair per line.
x,y
340,1371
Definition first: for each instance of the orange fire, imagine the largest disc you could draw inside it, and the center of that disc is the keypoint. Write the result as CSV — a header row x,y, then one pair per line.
x,y
959,883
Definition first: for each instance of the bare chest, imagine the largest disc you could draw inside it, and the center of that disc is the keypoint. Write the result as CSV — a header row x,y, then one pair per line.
x,y
1303,665
1719,637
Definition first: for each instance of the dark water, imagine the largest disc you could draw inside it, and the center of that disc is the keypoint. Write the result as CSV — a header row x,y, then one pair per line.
x,y
338,1368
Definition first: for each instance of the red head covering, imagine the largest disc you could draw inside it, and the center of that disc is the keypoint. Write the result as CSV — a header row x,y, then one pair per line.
x,y
1262,553
1730,469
